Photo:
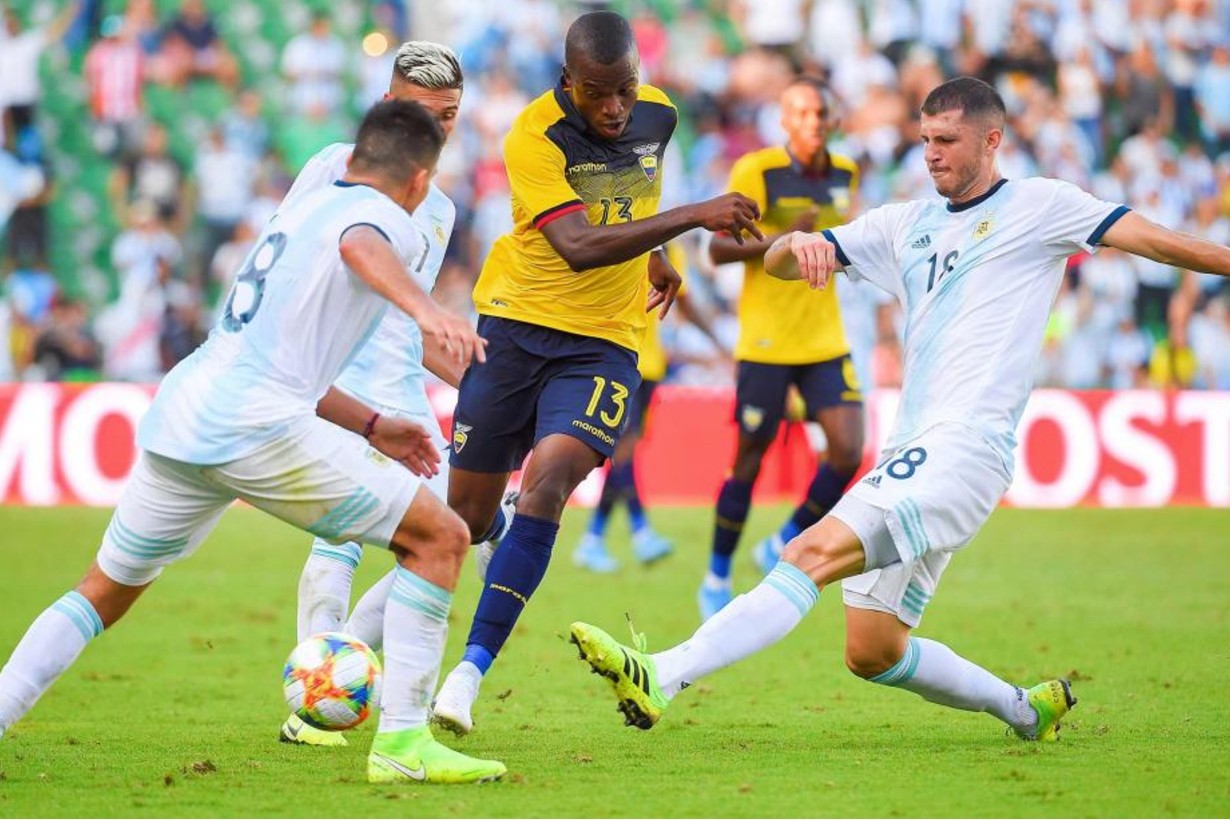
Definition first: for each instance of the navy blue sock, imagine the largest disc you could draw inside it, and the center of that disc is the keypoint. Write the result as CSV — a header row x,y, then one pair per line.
x,y
479,656
733,502
612,489
497,526
632,497
822,494
516,570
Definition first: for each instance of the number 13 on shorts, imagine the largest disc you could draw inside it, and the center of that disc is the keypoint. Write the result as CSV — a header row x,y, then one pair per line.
x,y
618,396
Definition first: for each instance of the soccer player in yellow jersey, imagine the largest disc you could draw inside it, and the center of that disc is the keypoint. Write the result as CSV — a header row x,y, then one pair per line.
x,y
562,302
786,338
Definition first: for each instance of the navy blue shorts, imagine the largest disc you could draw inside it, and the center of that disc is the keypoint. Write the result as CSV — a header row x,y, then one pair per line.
x,y
538,381
638,412
760,395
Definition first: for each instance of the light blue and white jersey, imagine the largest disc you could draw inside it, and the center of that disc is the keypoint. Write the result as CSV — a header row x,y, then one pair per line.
x,y
976,282
389,370
294,318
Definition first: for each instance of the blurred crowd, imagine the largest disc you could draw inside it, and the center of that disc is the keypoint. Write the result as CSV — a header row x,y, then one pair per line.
x,y
1127,98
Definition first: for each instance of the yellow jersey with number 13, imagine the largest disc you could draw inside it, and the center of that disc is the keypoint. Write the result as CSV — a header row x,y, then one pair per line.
x,y
557,166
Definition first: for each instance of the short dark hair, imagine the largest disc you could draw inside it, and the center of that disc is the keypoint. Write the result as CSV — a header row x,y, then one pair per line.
x,y
602,36
969,95
817,84
395,138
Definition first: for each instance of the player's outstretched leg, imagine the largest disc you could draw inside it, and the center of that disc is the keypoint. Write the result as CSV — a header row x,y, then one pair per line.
x,y
431,544
879,649
324,597
57,637
644,684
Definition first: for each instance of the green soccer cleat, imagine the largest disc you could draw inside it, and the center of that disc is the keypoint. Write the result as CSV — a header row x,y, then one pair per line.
x,y
294,730
631,671
413,755
1051,700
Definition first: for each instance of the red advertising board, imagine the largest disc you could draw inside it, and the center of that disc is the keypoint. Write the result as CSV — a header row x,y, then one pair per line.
x,y
73,444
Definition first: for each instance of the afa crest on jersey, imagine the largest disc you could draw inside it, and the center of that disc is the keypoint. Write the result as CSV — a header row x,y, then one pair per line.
x,y
983,229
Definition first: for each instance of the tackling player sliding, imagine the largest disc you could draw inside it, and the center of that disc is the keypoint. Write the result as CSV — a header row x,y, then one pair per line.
x,y
976,277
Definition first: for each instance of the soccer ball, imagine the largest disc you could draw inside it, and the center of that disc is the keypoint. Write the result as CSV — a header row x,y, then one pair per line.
x,y
331,681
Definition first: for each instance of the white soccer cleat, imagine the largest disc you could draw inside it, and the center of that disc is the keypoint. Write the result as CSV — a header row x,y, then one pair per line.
x,y
451,708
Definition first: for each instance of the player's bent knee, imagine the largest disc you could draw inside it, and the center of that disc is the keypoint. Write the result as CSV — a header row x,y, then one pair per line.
x,y
869,660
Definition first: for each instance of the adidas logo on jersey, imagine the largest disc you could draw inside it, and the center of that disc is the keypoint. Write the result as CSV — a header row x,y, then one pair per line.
x,y
873,480
922,243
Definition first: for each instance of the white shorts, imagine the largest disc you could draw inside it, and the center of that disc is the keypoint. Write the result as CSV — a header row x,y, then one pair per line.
x,y
923,501
318,477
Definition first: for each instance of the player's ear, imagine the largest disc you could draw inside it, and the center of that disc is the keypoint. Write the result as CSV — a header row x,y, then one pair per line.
x,y
994,137
565,79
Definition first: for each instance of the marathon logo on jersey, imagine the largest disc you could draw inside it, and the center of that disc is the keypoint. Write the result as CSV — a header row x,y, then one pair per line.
x,y
649,159
984,228
752,417
922,243
461,434
872,481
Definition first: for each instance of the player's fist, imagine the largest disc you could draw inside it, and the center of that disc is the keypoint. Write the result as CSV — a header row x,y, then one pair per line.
x,y
816,258
733,213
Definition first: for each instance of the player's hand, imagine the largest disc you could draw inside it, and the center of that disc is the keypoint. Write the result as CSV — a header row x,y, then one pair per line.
x,y
732,213
816,258
454,336
405,441
664,283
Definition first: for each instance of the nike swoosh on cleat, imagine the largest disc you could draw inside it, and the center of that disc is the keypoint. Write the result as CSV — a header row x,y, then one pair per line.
x,y
414,774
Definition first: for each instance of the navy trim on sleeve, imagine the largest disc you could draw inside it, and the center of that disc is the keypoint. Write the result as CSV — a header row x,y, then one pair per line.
x,y
371,225
841,255
341,183
1104,225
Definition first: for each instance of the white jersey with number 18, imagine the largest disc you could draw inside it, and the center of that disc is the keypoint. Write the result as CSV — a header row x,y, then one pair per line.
x,y
295,317
389,370
976,282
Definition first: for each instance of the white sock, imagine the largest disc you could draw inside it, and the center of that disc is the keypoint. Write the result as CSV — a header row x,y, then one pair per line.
x,y
716,582
415,629
932,670
749,623
50,645
324,587
366,621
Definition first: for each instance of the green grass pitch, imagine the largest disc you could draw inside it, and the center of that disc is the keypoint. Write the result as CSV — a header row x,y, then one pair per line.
x,y
174,714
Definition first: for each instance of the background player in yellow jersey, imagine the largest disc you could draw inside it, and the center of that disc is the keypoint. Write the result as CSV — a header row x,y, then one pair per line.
x,y
620,486
785,338
562,302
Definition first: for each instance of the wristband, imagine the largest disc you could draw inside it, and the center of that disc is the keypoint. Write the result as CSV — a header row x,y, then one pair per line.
x,y
370,427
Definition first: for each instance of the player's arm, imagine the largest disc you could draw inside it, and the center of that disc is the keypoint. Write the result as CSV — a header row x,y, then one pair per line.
x,y
367,252
799,255
689,310
747,178
664,283
398,438
1136,234
584,245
